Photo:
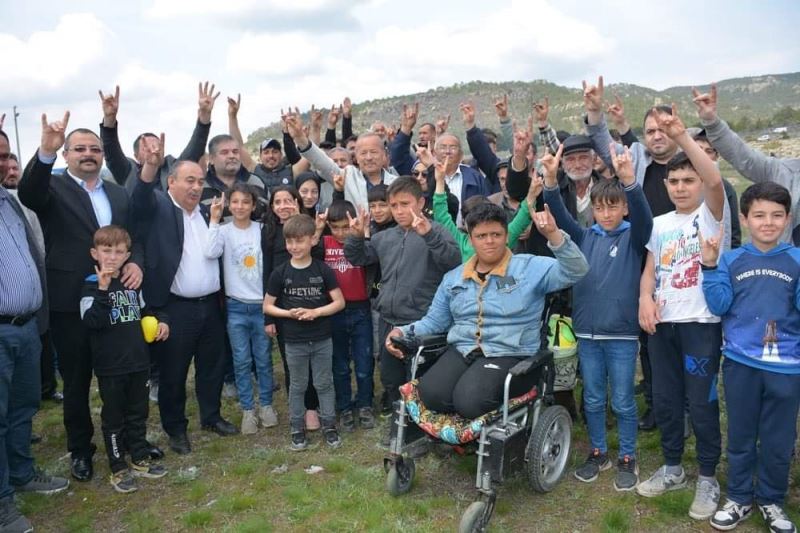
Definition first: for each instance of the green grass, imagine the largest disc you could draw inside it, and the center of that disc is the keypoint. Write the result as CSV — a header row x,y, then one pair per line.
x,y
617,520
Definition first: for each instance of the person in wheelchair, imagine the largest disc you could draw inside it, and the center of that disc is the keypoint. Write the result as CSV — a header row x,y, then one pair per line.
x,y
491,308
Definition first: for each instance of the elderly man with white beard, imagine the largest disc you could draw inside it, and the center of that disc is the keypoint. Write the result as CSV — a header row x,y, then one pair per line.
x,y
577,163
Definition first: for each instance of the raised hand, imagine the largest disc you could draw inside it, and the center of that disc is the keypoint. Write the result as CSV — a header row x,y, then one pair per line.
x,y
53,135
316,118
546,225
420,223
408,119
439,168
110,103
522,141
391,132
338,181
593,96
205,102
550,164
535,189
425,154
333,116
501,108
320,221
347,107
541,110
234,105
671,125
623,164
359,224
709,248
441,125
468,114
217,205
706,103
616,112
294,124
103,277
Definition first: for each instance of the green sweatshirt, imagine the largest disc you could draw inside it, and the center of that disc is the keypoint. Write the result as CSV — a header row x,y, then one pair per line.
x,y
515,228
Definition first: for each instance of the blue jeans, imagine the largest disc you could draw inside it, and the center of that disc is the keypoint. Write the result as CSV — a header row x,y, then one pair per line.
x,y
250,344
352,340
614,361
20,386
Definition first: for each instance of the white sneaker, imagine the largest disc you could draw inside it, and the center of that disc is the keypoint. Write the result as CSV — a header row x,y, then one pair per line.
x,y
267,416
776,519
249,422
661,482
706,499
730,515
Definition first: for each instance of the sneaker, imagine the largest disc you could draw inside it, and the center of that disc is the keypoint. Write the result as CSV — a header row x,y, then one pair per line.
x,y
347,421
123,481
312,420
366,418
267,416
299,442
776,519
627,474
153,391
591,468
229,391
332,438
661,482
43,483
249,422
147,469
11,519
706,499
730,515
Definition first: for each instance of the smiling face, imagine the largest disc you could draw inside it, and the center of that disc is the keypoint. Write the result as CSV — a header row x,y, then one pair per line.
x,y
578,165
309,192
380,212
271,157
83,153
284,205
186,184
241,205
766,221
370,154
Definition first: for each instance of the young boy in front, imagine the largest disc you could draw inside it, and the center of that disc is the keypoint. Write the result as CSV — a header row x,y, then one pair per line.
x,y
755,290
685,335
413,256
120,358
605,305
303,293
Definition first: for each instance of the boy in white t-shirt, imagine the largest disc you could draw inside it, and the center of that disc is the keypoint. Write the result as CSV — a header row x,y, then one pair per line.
x,y
685,336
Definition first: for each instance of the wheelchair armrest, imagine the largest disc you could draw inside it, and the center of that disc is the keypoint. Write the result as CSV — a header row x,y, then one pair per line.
x,y
409,344
529,364
430,341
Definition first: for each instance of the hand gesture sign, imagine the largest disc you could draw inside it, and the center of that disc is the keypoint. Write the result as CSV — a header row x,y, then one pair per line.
x,y
338,181
347,107
294,123
153,150
616,112
103,277
110,104
535,189
593,96
316,118
320,221
522,141
540,112
234,105
501,108
408,119
420,223
53,135
709,248
359,224
546,225
333,116
205,102
217,205
425,154
439,168
442,124
550,164
671,125
623,164
467,114
706,103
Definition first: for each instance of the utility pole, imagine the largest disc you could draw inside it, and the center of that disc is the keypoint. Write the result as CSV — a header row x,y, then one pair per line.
x,y
16,134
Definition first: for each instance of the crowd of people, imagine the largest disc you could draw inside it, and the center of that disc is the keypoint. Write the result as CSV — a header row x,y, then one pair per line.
x,y
331,244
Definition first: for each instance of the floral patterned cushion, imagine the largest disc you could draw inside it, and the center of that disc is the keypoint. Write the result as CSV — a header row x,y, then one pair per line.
x,y
451,428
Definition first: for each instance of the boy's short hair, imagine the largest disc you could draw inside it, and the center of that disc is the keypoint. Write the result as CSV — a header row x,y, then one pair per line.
x,y
405,184
111,235
298,226
679,161
608,192
660,108
767,190
339,209
378,193
485,212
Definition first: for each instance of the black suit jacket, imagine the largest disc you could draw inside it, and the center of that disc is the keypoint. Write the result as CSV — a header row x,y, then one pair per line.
x,y
160,227
69,223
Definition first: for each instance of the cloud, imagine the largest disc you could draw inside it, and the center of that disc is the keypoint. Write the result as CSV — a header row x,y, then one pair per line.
x,y
274,54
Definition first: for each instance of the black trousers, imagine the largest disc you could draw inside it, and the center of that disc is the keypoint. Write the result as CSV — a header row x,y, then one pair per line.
x,y
394,371
647,369
48,371
196,330
124,417
71,341
470,385
311,399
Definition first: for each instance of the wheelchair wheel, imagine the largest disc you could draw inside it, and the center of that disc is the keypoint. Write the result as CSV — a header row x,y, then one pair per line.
x,y
400,476
472,521
548,449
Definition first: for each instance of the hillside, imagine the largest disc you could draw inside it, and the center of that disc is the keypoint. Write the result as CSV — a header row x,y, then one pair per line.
x,y
757,97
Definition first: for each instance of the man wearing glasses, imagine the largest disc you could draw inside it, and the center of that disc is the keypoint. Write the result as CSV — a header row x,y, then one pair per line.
x,y
71,207
461,180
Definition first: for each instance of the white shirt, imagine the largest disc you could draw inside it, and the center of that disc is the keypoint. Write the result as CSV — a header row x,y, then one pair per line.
x,y
100,203
197,275
454,183
242,261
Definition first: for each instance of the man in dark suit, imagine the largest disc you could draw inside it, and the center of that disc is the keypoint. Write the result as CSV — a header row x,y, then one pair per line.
x,y
71,207
187,284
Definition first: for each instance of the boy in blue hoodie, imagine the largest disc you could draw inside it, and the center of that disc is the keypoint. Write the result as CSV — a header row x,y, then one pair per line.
x,y
755,290
605,307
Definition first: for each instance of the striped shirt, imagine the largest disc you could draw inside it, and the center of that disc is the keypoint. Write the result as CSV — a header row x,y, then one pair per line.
x,y
20,286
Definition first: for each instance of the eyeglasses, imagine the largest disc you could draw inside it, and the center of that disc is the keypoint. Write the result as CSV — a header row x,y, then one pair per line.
x,y
423,173
84,149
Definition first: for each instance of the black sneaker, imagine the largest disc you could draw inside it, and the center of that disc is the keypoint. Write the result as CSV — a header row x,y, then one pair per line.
x,y
627,474
347,420
386,405
776,518
11,519
123,481
648,420
44,483
147,469
299,442
730,515
332,438
366,419
595,463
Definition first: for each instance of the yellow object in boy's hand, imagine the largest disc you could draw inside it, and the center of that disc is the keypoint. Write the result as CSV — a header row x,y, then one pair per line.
x,y
149,328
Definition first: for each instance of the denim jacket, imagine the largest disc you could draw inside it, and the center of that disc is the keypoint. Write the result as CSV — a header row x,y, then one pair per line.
x,y
503,315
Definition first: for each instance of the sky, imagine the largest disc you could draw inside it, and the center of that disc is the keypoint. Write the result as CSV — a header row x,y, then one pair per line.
x,y
277,54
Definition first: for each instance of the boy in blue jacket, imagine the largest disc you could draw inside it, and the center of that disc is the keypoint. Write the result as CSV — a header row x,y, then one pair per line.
x,y
605,307
754,289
